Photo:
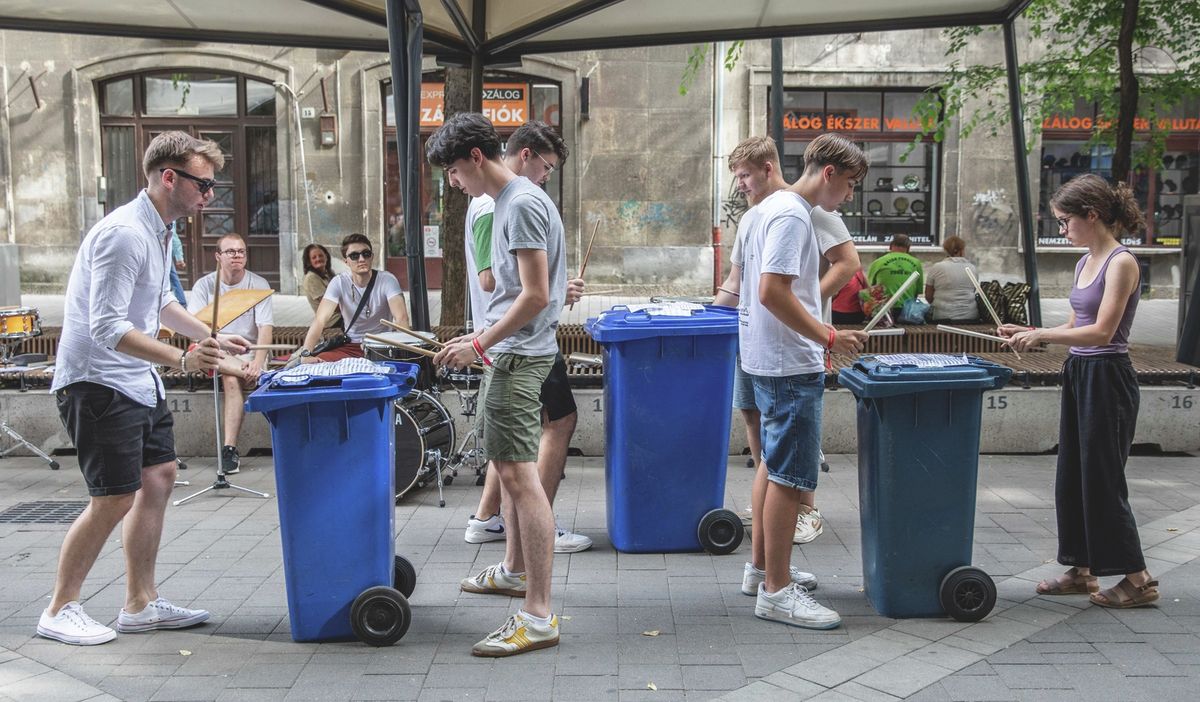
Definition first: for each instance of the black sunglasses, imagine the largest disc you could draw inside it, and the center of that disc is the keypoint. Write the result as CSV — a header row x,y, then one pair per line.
x,y
202,184
365,254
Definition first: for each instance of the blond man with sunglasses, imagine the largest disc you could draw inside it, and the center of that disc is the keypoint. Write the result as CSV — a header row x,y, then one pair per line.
x,y
345,292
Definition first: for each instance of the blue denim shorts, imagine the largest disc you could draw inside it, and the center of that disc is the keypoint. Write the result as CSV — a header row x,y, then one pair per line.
x,y
791,427
743,388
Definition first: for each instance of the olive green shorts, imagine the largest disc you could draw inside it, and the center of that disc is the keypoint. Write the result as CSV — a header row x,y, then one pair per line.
x,y
510,422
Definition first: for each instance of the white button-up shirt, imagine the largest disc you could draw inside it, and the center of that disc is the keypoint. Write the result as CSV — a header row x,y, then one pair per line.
x,y
120,281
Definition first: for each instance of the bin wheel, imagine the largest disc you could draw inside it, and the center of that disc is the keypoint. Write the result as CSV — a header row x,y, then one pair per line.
x,y
404,576
380,616
720,532
967,594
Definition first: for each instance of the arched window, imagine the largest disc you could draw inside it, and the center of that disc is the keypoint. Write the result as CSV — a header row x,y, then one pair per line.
x,y
238,113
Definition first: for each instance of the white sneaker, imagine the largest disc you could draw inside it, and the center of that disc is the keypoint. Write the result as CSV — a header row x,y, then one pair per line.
x,y
73,626
569,542
809,525
493,581
752,577
747,517
793,605
160,614
481,531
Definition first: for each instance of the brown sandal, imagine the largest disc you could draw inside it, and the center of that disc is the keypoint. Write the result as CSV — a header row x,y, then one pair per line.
x,y
1126,595
1075,584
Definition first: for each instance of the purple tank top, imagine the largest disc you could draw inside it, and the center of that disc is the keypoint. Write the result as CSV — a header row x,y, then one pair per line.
x,y
1086,304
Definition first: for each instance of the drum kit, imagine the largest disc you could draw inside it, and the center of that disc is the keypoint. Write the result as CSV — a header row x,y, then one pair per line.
x,y
18,324
427,446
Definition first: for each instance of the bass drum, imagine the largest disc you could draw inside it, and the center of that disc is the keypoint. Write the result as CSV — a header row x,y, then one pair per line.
x,y
424,434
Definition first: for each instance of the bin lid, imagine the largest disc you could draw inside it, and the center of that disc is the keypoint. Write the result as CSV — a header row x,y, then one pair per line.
x,y
630,322
888,376
348,379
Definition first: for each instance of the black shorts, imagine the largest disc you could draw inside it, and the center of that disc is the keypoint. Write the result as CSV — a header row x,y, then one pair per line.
x,y
114,436
556,397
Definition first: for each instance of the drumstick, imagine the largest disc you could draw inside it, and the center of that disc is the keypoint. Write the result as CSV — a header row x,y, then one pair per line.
x,y
406,330
601,292
970,333
271,347
891,301
890,331
988,304
406,347
586,256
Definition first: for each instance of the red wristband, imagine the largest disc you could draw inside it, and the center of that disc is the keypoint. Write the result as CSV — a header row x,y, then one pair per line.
x,y
479,350
832,338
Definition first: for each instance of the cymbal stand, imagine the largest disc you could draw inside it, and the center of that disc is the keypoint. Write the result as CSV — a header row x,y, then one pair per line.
x,y
220,483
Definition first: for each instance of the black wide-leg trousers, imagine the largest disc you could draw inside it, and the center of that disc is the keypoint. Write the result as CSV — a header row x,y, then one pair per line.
x,y
1096,528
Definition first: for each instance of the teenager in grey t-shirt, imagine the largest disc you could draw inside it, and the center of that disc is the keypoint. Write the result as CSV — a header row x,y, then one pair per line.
x,y
526,218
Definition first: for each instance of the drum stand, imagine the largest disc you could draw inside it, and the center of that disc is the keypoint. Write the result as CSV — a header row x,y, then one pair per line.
x,y
6,349
220,483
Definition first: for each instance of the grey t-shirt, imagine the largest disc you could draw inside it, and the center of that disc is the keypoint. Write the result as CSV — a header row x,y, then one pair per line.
x,y
526,218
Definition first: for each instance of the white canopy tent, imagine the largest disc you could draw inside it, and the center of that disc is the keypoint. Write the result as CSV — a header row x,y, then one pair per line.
x,y
477,33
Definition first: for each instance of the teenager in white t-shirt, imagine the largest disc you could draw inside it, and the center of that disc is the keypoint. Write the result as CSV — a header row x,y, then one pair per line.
x,y
256,326
755,166
344,293
783,345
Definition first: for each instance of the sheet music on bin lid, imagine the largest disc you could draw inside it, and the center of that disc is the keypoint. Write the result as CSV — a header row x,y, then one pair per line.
x,y
673,308
923,360
346,366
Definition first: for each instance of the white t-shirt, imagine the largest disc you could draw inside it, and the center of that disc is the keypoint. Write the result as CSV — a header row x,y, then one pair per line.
x,y
246,325
479,207
346,294
830,230
780,240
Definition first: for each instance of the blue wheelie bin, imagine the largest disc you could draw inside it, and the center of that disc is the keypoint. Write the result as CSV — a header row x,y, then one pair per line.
x,y
333,449
668,389
918,464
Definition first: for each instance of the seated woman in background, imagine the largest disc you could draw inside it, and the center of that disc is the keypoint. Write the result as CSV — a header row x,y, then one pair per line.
x,y
947,287
318,271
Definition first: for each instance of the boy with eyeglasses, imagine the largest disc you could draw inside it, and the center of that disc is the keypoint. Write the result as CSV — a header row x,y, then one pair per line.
x,y
345,291
256,325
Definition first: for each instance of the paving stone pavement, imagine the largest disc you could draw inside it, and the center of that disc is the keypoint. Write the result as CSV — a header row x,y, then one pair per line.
x,y
223,554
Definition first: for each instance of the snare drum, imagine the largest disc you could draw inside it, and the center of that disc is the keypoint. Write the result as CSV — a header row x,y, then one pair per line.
x,y
424,434
378,351
19,323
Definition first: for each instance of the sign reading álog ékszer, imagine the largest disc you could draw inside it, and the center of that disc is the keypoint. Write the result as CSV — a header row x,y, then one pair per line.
x,y
505,104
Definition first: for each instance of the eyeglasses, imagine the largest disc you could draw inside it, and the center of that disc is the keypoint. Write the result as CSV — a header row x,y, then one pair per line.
x,y
1063,222
233,252
549,167
365,255
202,184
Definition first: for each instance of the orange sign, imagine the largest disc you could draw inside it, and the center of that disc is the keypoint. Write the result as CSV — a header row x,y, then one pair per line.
x,y
795,121
1141,124
506,104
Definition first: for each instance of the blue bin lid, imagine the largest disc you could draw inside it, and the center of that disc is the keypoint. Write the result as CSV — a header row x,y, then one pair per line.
x,y
872,377
277,392
622,324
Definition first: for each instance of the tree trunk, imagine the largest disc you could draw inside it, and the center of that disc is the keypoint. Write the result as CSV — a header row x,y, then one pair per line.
x,y
1123,155
454,213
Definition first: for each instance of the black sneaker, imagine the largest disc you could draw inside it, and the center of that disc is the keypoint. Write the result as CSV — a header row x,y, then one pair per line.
x,y
230,461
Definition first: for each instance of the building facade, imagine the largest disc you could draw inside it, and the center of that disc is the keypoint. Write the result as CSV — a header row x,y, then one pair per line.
x,y
310,140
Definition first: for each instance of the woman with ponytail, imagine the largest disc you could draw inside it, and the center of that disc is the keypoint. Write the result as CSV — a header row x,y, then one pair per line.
x,y
1097,535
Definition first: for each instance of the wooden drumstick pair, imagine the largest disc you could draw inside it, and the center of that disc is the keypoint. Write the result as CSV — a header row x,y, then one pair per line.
x,y
418,335
912,278
409,347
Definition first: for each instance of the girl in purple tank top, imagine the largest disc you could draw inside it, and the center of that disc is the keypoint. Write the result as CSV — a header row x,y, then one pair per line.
x,y
1097,534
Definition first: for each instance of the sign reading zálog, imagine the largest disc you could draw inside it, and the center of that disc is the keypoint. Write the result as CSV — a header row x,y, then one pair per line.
x,y
505,104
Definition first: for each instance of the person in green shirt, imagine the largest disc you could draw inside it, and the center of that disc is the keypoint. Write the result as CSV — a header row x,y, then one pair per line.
x,y
893,268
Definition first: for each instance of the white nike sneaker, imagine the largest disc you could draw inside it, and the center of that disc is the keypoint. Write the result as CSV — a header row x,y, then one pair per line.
x,y
569,542
793,605
809,525
481,531
73,626
752,577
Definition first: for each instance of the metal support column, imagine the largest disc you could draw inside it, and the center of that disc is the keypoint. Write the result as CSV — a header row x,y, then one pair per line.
x,y
405,35
776,93
1024,197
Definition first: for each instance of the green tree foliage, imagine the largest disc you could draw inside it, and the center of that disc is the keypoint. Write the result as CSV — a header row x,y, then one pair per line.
x,y
698,58
1137,59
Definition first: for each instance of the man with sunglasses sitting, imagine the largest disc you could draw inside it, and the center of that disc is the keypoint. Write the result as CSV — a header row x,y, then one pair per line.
x,y
346,293
256,326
